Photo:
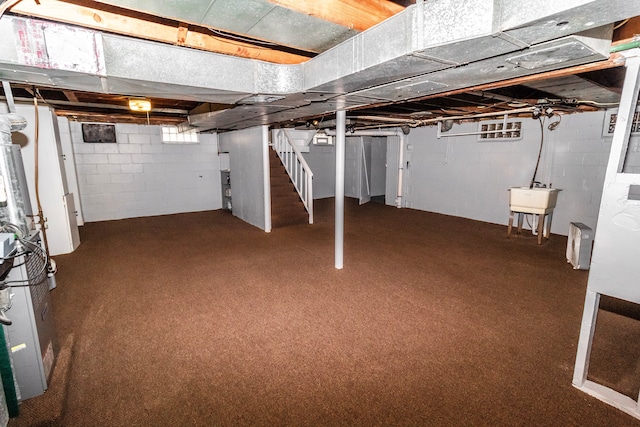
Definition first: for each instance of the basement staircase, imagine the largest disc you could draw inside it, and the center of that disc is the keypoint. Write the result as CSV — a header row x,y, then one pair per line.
x,y
286,207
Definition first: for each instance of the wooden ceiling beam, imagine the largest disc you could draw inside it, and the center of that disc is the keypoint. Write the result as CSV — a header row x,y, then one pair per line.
x,y
84,116
628,30
358,15
615,60
71,96
103,20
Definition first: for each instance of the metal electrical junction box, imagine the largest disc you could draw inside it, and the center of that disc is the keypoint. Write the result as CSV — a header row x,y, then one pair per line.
x,y
32,339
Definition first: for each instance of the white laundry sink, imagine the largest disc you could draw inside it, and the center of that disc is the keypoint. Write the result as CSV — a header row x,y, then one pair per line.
x,y
533,200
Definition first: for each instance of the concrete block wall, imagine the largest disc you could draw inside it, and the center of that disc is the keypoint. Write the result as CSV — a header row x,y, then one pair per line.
x,y
463,177
140,176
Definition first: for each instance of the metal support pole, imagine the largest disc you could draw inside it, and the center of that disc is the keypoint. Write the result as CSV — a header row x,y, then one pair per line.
x,y
267,179
340,150
9,95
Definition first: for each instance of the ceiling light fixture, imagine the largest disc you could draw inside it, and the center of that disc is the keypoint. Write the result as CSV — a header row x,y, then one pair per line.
x,y
137,104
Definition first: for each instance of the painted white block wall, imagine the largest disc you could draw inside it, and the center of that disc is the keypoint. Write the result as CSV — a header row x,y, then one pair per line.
x,y
140,176
460,176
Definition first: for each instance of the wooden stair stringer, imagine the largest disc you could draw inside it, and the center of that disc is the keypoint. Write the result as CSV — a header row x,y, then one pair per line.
x,y
286,207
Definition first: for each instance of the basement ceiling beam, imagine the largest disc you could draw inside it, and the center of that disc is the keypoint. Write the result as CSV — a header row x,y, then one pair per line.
x,y
354,14
179,34
628,30
75,115
615,60
55,103
71,96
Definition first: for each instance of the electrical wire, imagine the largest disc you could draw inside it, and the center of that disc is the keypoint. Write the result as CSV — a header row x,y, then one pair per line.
x,y
620,24
13,229
242,39
554,125
37,250
599,104
535,172
42,273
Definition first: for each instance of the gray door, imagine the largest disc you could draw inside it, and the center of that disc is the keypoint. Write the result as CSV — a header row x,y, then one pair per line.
x,y
352,166
365,167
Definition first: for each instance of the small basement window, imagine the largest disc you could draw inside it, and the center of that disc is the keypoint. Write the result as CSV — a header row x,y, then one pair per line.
x,y
172,135
500,131
610,118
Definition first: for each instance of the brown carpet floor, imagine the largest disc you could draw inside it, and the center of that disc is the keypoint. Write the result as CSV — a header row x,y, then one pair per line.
x,y
203,320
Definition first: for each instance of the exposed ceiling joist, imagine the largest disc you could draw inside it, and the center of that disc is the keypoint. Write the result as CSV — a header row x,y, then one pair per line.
x,y
615,60
195,24
629,29
120,23
71,96
355,14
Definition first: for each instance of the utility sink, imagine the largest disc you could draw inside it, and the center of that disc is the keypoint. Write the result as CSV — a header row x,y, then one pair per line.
x,y
533,200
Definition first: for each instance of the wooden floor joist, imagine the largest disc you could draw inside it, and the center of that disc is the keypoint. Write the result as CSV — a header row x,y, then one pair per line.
x,y
355,14
109,21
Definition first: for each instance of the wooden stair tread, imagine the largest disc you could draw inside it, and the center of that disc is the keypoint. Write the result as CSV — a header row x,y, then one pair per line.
x,y
286,207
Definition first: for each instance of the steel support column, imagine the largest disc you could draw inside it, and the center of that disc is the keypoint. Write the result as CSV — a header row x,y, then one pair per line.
x,y
340,155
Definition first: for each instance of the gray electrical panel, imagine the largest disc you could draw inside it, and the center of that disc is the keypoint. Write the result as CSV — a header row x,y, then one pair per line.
x,y
32,339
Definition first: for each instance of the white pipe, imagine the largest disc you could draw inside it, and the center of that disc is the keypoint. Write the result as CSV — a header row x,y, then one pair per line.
x,y
339,198
365,132
403,140
266,178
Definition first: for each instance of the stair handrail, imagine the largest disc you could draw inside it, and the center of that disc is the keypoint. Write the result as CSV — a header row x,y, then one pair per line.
x,y
297,168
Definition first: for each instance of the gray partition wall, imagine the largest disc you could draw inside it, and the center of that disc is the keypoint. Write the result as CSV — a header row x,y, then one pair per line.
x,y
614,266
247,171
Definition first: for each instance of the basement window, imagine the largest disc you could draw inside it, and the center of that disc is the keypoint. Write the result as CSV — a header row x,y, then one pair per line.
x,y
172,135
500,131
610,118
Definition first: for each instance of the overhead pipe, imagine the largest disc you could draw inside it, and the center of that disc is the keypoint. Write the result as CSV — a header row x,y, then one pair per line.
x,y
635,43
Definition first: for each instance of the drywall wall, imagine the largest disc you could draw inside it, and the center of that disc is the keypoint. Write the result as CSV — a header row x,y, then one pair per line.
x,y
247,172
140,176
322,161
463,177
70,166
377,164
